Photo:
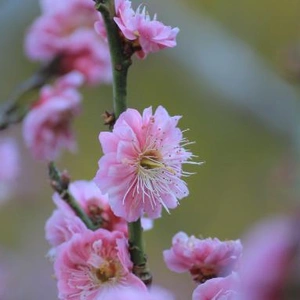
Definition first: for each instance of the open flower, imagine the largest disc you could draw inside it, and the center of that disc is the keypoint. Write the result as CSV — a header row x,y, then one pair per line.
x,y
66,30
47,126
93,264
142,164
204,259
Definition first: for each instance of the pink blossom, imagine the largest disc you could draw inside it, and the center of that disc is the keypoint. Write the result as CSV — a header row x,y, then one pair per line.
x,y
60,228
63,223
148,35
95,204
223,288
204,258
47,126
142,164
66,30
93,264
270,250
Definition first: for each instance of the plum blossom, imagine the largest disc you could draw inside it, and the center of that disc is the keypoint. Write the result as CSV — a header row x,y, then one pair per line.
x,y
147,35
92,265
270,255
223,288
60,228
95,204
66,30
47,126
203,258
141,168
63,223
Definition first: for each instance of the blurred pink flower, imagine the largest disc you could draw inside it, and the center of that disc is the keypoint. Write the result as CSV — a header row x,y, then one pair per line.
x,y
204,259
270,250
66,30
142,164
155,293
223,288
93,264
148,35
47,126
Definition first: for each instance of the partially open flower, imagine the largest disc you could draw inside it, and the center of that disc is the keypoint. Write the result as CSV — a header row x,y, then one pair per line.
x,y
203,258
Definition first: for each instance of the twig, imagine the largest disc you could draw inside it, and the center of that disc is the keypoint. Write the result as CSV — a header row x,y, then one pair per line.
x,y
11,111
60,183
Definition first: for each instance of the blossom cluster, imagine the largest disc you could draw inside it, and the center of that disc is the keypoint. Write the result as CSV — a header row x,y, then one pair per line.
x,y
150,147
66,30
64,33
264,271
99,266
72,34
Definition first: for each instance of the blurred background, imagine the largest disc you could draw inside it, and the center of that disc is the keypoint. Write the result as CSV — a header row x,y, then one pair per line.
x,y
233,78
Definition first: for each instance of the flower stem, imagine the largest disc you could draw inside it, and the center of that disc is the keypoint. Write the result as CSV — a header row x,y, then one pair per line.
x,y
121,52
137,253
60,183
120,56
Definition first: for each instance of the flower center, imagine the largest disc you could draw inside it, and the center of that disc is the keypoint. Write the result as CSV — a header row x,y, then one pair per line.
x,y
106,271
202,274
151,159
